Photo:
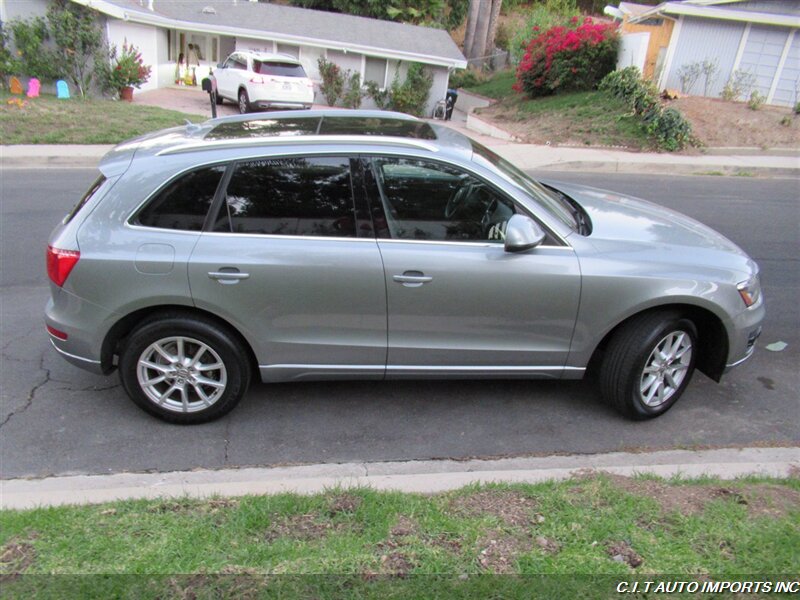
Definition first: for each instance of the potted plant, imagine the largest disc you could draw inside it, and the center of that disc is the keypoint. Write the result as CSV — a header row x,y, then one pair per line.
x,y
127,71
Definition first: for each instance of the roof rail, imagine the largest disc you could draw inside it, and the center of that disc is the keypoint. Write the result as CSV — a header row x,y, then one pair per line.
x,y
311,114
311,140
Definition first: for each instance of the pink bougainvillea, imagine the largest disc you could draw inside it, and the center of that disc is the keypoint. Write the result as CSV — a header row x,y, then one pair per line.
x,y
575,56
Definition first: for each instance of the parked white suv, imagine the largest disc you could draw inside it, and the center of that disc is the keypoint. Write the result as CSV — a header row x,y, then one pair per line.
x,y
261,80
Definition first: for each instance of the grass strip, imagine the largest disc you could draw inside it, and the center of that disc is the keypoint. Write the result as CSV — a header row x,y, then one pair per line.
x,y
560,537
48,120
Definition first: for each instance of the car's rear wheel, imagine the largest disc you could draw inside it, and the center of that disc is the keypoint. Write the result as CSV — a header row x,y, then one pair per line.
x,y
244,101
648,364
184,370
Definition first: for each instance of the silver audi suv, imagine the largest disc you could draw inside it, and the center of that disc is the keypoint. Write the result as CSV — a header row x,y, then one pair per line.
x,y
370,245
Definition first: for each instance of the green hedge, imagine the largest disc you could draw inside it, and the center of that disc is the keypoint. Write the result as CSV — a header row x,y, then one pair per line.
x,y
668,126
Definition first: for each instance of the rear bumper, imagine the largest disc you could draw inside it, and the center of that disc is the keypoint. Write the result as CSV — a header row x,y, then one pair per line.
x,y
282,105
87,364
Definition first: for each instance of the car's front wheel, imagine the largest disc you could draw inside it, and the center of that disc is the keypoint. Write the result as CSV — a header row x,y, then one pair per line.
x,y
244,101
184,369
648,364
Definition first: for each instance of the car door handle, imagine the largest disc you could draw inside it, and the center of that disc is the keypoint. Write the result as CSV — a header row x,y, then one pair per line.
x,y
228,277
412,278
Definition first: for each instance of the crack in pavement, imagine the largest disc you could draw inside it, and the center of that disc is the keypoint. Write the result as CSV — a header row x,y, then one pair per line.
x,y
227,440
32,392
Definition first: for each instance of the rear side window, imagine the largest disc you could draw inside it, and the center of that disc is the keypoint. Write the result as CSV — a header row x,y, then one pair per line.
x,y
86,197
290,196
184,203
278,69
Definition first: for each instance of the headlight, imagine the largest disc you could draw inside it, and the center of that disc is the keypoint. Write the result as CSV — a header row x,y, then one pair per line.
x,y
750,290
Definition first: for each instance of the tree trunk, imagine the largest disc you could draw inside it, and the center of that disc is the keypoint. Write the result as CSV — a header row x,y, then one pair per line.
x,y
493,21
469,34
481,30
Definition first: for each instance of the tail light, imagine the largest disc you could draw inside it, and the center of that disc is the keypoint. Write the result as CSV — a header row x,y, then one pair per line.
x,y
60,264
257,80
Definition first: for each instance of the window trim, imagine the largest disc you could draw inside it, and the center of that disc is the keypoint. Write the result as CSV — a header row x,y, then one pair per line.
x,y
517,205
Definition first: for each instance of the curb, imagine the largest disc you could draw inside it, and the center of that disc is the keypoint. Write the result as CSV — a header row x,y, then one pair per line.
x,y
667,169
412,476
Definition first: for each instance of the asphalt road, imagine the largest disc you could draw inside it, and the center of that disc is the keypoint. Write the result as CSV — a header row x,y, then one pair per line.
x,y
57,419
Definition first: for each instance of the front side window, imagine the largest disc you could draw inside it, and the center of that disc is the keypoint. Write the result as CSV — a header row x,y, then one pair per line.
x,y
309,196
184,203
424,200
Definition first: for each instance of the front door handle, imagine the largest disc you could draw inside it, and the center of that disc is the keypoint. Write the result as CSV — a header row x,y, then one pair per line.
x,y
228,275
412,278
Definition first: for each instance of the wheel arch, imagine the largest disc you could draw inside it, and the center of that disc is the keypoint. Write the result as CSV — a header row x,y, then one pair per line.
x,y
713,344
123,327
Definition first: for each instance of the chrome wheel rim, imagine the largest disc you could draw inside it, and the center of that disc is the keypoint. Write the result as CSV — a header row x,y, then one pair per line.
x,y
181,374
666,368
242,104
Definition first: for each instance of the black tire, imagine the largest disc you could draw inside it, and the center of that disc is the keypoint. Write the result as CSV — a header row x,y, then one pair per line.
x,y
244,101
622,377
218,99
223,387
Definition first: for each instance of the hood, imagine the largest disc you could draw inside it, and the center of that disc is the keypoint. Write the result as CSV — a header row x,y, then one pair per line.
x,y
618,217
623,224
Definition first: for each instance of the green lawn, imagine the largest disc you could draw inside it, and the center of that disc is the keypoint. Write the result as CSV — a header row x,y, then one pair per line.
x,y
576,118
47,120
587,534
498,86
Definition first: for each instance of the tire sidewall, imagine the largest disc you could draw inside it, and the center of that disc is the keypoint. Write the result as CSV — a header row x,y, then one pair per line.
x,y
639,409
223,344
243,94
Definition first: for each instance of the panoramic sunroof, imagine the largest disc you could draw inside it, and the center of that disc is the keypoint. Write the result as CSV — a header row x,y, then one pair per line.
x,y
289,127
376,126
264,128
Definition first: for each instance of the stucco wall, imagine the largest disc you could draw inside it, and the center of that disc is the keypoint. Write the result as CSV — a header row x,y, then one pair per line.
x,y
146,39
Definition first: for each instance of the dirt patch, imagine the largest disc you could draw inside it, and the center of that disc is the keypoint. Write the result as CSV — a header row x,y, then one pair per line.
x,y
306,528
511,507
395,559
344,504
16,556
716,122
621,551
548,545
499,551
759,498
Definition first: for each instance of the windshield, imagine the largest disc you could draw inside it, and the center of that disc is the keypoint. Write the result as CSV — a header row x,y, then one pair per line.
x,y
555,205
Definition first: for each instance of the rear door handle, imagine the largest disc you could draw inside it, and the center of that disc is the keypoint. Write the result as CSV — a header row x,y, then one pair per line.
x,y
412,278
228,277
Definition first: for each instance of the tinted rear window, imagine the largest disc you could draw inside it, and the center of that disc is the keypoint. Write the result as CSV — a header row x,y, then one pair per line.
x,y
290,196
279,69
184,203
86,197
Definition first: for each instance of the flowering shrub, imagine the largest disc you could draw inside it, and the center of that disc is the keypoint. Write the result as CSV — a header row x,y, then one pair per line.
x,y
127,68
573,57
332,86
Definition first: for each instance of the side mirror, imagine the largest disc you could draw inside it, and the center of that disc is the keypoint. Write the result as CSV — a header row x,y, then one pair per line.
x,y
220,65
522,233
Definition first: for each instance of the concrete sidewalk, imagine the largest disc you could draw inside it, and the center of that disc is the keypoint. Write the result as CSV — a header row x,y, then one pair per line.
x,y
411,476
525,156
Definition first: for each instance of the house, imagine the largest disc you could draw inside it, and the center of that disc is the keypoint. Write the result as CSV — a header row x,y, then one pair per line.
x,y
754,36
163,29
647,39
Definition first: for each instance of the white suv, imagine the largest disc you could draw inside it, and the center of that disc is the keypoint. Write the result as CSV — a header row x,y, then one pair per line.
x,y
261,80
